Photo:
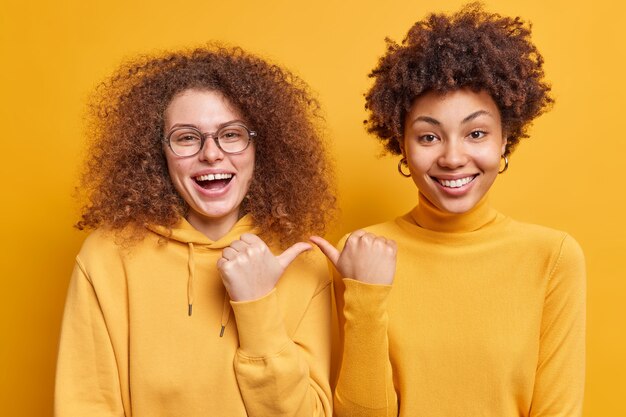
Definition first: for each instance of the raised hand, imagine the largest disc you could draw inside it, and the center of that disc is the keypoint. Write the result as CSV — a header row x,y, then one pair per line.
x,y
365,257
249,270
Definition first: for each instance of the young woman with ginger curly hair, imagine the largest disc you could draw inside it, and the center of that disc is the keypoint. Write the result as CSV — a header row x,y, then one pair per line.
x,y
202,165
486,316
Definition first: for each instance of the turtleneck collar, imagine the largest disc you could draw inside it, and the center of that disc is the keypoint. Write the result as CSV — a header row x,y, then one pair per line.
x,y
428,216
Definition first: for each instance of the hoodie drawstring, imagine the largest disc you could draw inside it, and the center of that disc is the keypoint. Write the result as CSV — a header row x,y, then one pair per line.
x,y
225,312
192,269
226,304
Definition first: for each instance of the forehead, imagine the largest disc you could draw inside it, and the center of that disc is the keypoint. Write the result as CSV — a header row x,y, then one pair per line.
x,y
203,108
453,106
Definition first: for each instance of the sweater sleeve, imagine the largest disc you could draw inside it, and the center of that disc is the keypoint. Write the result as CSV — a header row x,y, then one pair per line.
x,y
87,376
560,377
365,382
279,375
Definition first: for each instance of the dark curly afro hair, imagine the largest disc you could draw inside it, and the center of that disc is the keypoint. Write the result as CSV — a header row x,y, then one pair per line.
x,y
126,181
469,49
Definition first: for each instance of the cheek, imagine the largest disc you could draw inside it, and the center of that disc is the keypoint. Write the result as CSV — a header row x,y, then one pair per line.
x,y
421,160
177,170
247,164
489,160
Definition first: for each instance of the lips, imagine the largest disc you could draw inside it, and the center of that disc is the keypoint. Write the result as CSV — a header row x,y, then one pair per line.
x,y
455,183
213,181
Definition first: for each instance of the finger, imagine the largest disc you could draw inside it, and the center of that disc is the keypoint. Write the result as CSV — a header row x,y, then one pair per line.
x,y
221,262
357,234
238,245
369,238
327,249
229,253
251,239
380,241
287,257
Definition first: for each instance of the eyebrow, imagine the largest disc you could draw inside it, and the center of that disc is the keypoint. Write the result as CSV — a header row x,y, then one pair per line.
x,y
436,122
221,125
427,119
475,115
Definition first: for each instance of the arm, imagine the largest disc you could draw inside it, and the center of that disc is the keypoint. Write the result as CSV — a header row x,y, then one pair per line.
x,y
87,377
278,375
365,383
560,378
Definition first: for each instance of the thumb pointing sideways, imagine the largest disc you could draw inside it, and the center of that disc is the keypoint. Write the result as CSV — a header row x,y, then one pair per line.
x,y
327,249
288,256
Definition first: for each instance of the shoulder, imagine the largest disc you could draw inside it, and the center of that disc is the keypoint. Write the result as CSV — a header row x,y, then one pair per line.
x,y
543,236
389,229
106,250
563,250
309,271
97,241
99,245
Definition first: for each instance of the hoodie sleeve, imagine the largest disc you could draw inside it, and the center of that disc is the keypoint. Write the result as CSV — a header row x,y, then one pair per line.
x,y
279,375
87,376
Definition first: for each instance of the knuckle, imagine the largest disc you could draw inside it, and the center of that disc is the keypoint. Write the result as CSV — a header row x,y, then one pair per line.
x,y
253,251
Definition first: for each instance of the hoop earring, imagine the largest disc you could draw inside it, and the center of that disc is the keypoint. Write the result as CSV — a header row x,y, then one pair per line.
x,y
400,163
506,164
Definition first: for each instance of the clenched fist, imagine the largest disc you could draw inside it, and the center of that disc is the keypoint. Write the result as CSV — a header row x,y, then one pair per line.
x,y
250,271
365,257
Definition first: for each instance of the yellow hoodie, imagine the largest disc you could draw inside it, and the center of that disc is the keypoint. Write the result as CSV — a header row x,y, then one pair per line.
x,y
132,345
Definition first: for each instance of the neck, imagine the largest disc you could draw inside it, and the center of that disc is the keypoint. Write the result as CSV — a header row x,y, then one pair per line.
x,y
213,228
428,216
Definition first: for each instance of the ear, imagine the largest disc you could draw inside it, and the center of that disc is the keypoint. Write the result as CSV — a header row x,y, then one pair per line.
x,y
400,141
504,143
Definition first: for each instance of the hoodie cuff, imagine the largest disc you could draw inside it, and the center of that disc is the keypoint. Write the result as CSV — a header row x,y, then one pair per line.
x,y
260,325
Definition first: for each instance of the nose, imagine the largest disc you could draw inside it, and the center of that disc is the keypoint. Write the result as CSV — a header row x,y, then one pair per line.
x,y
453,155
210,152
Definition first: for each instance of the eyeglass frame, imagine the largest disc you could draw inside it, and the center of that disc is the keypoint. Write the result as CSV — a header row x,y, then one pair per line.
x,y
214,135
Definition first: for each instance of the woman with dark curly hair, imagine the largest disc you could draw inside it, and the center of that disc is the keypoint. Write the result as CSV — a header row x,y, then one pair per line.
x,y
202,164
487,315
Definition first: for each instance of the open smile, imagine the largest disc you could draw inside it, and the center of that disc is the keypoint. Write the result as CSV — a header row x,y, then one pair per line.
x,y
455,183
214,181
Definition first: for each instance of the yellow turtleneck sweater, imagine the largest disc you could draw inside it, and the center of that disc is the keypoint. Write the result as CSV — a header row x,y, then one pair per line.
x,y
486,317
130,348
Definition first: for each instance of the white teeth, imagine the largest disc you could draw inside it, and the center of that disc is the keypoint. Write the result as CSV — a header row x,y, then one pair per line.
x,y
455,183
213,177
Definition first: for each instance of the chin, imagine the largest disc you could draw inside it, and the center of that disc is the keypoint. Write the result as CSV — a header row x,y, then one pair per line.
x,y
456,207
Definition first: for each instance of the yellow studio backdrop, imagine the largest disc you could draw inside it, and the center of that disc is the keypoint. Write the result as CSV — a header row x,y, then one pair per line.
x,y
566,176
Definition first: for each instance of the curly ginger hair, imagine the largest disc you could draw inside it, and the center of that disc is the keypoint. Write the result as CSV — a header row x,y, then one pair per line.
x,y
126,181
468,49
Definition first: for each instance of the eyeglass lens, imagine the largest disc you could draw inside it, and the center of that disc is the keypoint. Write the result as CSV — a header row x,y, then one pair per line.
x,y
187,141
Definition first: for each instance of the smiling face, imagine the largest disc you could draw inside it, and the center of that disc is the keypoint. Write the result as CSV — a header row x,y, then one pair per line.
x,y
453,144
212,183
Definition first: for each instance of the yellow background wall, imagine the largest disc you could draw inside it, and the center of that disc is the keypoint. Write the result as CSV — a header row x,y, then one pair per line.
x,y
568,175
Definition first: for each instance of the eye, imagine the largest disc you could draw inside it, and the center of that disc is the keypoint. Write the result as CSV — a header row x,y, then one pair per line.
x,y
477,134
427,139
232,134
186,137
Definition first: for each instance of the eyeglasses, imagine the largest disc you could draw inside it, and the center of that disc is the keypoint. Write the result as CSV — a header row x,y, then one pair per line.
x,y
188,141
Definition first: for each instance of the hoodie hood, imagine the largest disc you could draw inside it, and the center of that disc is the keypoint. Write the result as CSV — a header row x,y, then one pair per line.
x,y
183,232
